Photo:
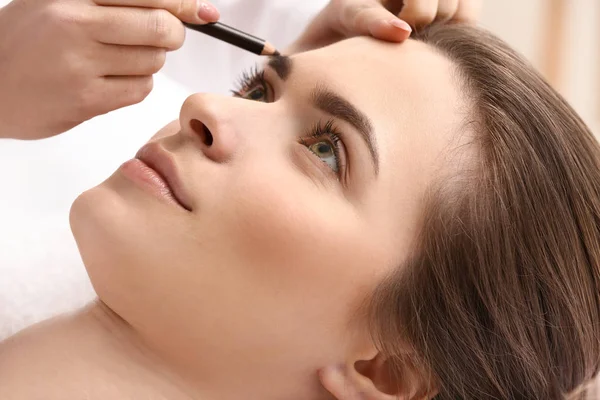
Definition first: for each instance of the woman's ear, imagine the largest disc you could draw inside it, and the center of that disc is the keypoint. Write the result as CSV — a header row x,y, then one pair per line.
x,y
374,379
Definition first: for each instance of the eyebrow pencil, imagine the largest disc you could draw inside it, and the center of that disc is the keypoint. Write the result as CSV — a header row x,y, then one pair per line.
x,y
236,37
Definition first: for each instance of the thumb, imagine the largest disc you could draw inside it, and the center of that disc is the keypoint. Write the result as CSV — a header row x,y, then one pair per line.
x,y
363,17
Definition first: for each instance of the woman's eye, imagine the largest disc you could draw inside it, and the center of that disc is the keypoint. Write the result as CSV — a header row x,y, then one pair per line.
x,y
259,93
326,152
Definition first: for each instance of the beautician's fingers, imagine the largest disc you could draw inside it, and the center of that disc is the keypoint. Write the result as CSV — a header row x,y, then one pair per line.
x,y
389,20
419,13
192,11
360,17
114,92
468,11
446,10
136,26
116,60
93,59
342,19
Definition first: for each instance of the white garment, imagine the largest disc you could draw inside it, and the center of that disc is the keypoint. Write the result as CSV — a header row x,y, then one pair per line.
x,y
41,273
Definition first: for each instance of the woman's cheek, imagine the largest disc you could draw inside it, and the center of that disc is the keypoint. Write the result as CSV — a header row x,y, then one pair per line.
x,y
277,219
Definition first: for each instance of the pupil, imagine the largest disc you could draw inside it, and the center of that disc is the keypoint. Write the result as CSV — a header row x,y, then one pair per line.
x,y
323,148
257,94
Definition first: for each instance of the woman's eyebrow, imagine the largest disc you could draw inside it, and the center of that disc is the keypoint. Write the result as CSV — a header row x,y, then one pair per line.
x,y
335,105
282,65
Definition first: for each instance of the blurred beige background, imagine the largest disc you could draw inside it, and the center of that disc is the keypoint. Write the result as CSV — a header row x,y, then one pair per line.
x,y
562,39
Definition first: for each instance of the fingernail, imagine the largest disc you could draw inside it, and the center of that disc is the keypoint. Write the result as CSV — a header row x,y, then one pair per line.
x,y
398,23
207,12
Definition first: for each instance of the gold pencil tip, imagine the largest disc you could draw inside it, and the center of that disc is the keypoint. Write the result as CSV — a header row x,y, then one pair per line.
x,y
269,50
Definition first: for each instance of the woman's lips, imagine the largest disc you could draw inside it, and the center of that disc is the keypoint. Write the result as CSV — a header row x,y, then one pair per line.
x,y
155,170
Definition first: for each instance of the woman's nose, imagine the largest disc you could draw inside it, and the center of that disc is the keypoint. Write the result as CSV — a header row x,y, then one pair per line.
x,y
207,120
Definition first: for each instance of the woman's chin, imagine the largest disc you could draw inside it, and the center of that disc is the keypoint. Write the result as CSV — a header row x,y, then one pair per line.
x,y
123,234
94,212
97,218
108,225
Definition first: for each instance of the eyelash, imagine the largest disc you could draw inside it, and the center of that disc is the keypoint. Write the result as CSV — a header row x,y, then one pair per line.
x,y
254,77
329,131
248,80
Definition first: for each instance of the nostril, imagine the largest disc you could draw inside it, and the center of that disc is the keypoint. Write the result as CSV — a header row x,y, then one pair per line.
x,y
202,131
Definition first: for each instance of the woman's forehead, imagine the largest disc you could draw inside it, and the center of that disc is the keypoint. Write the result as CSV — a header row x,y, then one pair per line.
x,y
380,76
373,57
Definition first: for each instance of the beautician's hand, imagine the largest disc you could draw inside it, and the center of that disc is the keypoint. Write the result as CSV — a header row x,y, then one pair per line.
x,y
389,20
63,62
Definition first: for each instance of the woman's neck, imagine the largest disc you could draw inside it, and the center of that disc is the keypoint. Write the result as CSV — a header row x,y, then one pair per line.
x,y
92,353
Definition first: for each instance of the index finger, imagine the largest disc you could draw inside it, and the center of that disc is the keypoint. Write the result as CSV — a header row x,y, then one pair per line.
x,y
468,11
192,11
366,17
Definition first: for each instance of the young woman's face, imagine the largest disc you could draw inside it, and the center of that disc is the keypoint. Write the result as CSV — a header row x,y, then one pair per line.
x,y
308,195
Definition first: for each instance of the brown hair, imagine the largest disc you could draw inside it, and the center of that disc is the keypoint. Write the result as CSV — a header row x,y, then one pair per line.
x,y
501,299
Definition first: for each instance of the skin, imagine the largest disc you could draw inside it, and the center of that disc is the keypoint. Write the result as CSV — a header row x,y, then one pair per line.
x,y
261,284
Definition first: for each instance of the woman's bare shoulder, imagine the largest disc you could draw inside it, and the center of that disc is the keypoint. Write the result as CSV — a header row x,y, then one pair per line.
x,y
68,358
43,361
